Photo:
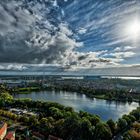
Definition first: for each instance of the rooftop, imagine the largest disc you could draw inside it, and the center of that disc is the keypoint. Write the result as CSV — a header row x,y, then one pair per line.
x,y
2,124
10,135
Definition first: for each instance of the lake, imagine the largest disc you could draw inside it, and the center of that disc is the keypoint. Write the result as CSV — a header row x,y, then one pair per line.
x,y
105,109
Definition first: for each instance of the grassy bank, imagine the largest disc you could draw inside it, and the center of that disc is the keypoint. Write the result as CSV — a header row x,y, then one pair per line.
x,y
26,90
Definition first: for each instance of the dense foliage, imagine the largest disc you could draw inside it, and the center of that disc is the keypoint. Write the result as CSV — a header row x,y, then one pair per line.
x,y
61,121
109,90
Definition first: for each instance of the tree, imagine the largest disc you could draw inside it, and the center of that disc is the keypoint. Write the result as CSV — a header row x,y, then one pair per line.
x,y
94,119
83,114
33,120
86,129
127,119
2,102
109,95
71,128
130,98
112,125
45,124
6,97
55,112
134,135
24,119
102,132
122,123
126,136
136,113
136,126
132,118
70,109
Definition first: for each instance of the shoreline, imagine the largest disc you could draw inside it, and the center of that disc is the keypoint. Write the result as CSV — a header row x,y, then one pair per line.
x,y
102,97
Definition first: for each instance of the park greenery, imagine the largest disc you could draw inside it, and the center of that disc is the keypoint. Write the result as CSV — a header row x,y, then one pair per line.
x,y
92,89
64,122
107,94
134,132
111,94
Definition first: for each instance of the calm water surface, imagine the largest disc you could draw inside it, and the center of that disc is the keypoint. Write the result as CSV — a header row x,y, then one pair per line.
x,y
106,109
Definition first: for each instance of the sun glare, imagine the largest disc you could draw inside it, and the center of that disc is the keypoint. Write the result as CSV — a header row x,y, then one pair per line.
x,y
133,29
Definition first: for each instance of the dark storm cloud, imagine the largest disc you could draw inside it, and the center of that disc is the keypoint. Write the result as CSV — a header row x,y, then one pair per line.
x,y
29,38
15,25
33,32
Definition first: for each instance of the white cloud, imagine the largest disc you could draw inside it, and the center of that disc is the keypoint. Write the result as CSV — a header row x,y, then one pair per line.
x,y
65,30
32,34
120,55
13,66
14,18
124,48
55,3
82,31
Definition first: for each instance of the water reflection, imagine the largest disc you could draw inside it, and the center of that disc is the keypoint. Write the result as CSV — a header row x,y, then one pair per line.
x,y
105,109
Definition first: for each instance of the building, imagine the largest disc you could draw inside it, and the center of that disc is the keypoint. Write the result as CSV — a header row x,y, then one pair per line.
x,y
10,135
3,130
13,84
38,136
72,77
54,138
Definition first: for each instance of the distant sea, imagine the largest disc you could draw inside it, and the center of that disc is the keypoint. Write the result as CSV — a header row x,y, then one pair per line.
x,y
68,76
121,77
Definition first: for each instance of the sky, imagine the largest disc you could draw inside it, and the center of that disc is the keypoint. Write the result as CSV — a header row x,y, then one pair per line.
x,y
69,35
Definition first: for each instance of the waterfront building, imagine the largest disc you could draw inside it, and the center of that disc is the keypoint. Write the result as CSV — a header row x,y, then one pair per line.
x,y
3,130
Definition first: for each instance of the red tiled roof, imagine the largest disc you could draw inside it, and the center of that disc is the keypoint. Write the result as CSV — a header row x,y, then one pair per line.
x,y
10,136
3,129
